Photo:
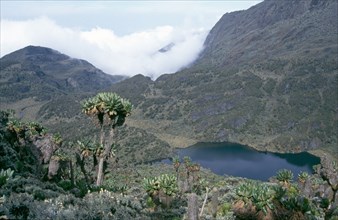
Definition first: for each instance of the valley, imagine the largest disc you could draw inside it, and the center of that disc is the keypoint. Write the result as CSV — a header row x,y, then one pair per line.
x,y
267,78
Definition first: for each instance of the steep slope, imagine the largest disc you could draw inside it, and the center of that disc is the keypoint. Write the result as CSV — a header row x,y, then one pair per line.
x,y
274,29
267,78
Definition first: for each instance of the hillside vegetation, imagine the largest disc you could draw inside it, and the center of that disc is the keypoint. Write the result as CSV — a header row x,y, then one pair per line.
x,y
267,78
43,177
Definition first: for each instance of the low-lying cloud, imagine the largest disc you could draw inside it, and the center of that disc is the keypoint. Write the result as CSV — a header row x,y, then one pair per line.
x,y
136,53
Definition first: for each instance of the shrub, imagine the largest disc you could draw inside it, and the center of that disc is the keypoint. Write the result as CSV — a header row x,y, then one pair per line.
x,y
161,189
284,176
5,175
260,196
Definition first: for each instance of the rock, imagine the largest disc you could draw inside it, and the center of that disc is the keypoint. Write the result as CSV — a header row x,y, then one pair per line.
x,y
46,147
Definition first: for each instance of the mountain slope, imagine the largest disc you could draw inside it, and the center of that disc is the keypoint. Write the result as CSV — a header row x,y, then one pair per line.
x,y
40,83
274,29
267,78
44,73
43,85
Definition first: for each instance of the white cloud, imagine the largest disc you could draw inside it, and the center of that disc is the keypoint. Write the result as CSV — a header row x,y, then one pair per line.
x,y
129,54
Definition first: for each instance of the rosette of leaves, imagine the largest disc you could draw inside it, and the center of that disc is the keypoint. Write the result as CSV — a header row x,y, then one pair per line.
x,y
5,175
35,128
25,130
262,198
299,204
168,184
303,176
151,185
57,138
259,196
187,162
244,191
176,163
285,176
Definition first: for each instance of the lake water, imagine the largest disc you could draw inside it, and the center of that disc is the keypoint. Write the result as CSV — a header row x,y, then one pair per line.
x,y
238,160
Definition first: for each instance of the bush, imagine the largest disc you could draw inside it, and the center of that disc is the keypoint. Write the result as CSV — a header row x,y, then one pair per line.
x,y
284,175
5,175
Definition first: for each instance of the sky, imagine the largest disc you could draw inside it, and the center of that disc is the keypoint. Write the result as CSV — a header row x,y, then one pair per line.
x,y
118,37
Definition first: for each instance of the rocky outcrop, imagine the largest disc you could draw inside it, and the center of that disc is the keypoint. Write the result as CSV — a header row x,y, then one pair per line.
x,y
45,147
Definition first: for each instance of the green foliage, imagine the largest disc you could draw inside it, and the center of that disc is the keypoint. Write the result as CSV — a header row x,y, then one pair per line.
x,y
106,105
176,162
5,175
245,191
303,176
57,138
150,203
25,130
224,209
35,128
109,104
259,195
65,184
62,155
187,161
151,185
263,197
166,183
284,175
297,203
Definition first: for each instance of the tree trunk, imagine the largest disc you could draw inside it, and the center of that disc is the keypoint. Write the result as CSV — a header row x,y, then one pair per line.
x,y
100,172
101,135
71,173
192,206
204,202
104,157
80,161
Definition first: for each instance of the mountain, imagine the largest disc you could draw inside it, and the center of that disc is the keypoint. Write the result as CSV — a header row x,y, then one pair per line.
x,y
44,73
44,85
267,78
166,48
274,29
35,78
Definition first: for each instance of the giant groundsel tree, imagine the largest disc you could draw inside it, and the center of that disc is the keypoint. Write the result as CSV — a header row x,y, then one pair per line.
x,y
110,111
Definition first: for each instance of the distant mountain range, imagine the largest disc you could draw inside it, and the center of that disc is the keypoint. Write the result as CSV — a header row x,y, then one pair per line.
x,y
266,78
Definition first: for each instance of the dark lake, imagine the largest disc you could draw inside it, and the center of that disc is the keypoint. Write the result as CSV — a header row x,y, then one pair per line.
x,y
238,160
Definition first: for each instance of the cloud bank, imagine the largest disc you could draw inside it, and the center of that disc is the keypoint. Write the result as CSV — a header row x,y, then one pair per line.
x,y
135,53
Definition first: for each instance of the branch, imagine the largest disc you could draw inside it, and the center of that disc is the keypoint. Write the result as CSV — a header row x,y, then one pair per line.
x,y
205,200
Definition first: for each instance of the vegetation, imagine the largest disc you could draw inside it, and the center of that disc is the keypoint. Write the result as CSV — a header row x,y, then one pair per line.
x,y
67,181
268,82
110,111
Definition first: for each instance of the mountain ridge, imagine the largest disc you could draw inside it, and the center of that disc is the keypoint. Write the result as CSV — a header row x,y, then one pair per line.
x,y
263,89
280,24
271,88
24,69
